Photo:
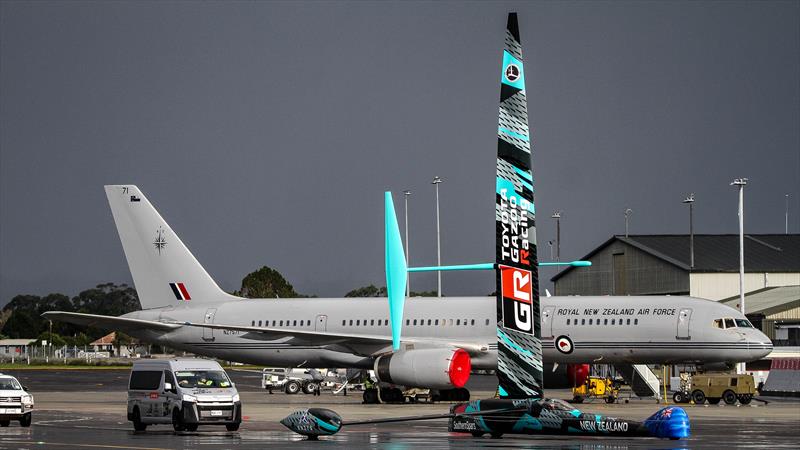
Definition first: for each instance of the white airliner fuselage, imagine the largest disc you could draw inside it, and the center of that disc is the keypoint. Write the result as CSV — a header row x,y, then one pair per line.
x,y
637,330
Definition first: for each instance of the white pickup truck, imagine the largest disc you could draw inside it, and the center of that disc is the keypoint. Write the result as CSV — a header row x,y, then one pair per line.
x,y
15,402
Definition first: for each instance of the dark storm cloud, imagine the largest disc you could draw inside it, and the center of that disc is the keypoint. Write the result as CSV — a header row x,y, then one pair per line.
x,y
265,133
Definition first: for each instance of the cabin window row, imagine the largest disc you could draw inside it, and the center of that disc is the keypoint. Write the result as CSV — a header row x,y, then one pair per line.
x,y
412,322
279,323
613,321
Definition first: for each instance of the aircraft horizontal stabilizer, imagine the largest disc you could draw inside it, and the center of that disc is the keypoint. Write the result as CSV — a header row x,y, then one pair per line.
x,y
108,322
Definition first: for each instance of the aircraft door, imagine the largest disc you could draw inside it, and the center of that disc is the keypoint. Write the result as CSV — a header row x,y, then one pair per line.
x,y
547,321
321,323
684,317
208,333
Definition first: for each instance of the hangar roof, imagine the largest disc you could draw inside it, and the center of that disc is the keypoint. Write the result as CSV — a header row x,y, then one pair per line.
x,y
768,301
715,252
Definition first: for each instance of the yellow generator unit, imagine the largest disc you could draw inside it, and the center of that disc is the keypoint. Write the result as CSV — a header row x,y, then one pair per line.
x,y
596,387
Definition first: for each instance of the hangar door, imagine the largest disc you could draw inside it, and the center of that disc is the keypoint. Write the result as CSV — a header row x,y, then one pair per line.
x,y
683,323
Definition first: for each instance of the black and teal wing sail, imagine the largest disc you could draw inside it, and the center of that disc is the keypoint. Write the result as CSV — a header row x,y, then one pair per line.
x,y
519,348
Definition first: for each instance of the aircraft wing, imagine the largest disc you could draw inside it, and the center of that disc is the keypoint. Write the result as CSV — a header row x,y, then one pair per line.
x,y
371,343
108,322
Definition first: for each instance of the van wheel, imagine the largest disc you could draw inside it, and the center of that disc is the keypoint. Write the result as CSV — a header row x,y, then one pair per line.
x,y
137,420
292,387
699,397
232,426
729,397
177,420
5,423
309,388
26,420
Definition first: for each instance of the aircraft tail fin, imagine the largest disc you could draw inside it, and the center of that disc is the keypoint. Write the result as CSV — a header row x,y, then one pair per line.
x,y
164,271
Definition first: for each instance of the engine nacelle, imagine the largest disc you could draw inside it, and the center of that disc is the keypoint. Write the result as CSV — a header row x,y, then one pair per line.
x,y
434,368
577,373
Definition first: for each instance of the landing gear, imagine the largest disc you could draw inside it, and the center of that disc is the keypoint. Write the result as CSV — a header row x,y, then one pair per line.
x,y
370,396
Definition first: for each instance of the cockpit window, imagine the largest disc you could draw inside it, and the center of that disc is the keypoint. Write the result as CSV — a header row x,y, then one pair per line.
x,y
718,323
743,323
729,323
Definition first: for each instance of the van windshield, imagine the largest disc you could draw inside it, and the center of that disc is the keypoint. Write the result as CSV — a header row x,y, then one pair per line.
x,y
202,379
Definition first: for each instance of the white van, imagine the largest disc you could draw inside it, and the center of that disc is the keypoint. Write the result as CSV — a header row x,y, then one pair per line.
x,y
183,392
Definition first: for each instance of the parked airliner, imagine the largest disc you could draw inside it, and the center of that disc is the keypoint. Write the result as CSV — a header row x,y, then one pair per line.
x,y
183,308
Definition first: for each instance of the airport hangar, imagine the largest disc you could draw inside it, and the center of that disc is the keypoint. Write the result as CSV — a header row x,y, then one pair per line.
x,y
661,265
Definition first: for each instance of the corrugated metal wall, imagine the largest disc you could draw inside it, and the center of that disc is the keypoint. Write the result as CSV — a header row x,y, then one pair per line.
x,y
643,275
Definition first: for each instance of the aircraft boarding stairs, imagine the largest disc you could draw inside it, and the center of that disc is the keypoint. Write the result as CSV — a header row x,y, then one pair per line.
x,y
642,380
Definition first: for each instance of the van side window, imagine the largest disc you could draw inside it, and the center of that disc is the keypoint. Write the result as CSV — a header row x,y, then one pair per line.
x,y
145,380
169,378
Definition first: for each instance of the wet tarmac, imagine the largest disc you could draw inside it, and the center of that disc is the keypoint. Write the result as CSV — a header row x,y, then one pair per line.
x,y
86,409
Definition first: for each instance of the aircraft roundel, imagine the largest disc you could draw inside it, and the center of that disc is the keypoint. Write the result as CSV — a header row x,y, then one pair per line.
x,y
564,345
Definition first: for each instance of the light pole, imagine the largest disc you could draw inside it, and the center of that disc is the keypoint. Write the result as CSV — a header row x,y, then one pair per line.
x,y
557,215
786,216
690,201
436,182
628,213
741,183
550,243
408,280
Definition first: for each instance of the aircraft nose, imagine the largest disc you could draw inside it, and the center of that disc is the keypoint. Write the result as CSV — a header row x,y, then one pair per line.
x,y
760,345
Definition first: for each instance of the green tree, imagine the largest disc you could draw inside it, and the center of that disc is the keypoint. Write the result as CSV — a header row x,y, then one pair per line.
x,y
266,283
367,291
374,291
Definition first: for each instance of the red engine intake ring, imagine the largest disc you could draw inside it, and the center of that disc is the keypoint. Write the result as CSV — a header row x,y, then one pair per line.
x,y
460,368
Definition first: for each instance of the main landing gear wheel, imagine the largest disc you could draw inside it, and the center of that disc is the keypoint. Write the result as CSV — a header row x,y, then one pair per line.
x,y
370,396
699,397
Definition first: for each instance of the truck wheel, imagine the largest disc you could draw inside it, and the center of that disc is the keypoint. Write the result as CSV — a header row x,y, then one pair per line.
x,y
309,388
729,397
745,399
177,420
292,387
232,426
137,420
699,397
714,401
5,423
610,399
26,420
677,397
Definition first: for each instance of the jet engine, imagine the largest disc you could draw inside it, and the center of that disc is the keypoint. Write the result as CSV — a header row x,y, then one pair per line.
x,y
434,368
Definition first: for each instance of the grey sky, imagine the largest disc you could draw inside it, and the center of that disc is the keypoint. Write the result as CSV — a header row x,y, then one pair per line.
x,y
266,132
